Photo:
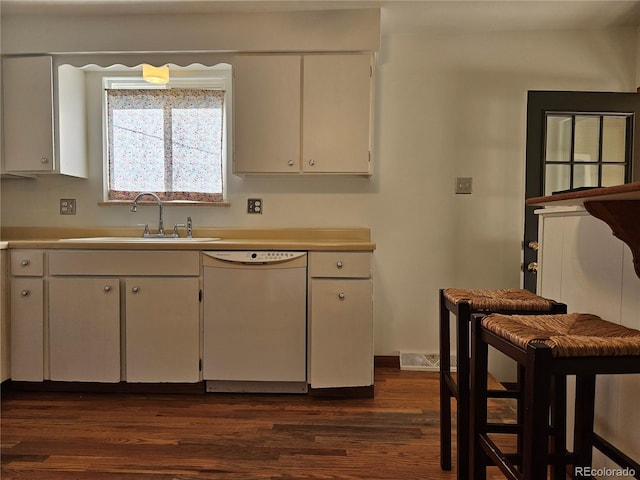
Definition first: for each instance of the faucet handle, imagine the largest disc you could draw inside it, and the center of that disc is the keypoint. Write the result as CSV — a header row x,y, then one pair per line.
x,y
146,232
175,229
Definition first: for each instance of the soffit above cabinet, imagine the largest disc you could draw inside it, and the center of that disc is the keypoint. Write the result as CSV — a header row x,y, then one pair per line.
x,y
302,31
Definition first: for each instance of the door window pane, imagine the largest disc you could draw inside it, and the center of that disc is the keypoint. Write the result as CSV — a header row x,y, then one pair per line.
x,y
614,136
585,176
559,132
557,178
587,139
613,175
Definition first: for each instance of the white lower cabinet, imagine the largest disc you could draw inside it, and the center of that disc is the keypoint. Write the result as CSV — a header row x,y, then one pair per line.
x,y
5,342
162,330
27,329
340,319
124,316
84,329
27,320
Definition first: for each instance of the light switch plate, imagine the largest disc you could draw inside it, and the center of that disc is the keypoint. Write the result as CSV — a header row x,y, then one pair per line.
x,y
464,185
67,206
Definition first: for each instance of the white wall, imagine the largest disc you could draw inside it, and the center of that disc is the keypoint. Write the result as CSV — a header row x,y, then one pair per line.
x,y
447,105
455,105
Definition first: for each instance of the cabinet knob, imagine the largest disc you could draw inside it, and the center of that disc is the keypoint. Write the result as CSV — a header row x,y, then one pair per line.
x,y
107,288
25,293
533,267
339,264
24,263
44,160
533,245
312,162
290,163
341,296
135,289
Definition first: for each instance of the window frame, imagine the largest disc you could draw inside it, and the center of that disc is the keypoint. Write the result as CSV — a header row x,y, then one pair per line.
x,y
218,78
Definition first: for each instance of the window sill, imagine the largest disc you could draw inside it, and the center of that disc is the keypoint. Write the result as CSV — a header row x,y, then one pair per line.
x,y
173,203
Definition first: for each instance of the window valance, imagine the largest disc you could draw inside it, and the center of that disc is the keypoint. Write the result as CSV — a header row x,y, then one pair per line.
x,y
111,60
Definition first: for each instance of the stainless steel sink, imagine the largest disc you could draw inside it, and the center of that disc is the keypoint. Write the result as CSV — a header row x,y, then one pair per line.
x,y
139,239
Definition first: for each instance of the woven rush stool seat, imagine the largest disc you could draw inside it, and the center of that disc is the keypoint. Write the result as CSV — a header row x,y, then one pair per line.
x,y
462,303
500,299
548,348
571,335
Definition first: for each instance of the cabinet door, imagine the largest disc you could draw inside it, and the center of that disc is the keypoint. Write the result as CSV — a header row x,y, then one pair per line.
x,y
162,330
5,335
84,329
266,97
341,333
27,329
27,87
337,113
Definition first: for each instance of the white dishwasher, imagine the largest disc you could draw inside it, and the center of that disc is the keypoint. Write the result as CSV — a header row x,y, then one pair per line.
x,y
255,321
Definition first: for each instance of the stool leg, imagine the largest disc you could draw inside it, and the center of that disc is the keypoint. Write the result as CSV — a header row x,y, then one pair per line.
x,y
537,398
584,416
559,424
445,392
463,324
520,410
479,394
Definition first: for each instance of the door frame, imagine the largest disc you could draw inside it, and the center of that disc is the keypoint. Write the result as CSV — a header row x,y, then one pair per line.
x,y
539,103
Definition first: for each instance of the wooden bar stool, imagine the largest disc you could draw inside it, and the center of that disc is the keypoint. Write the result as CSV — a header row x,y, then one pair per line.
x,y
463,304
549,347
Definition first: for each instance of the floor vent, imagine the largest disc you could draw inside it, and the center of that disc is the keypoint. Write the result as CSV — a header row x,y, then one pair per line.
x,y
428,362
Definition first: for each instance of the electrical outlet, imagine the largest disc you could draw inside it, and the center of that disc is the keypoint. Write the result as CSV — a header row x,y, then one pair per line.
x,y
67,206
254,205
463,185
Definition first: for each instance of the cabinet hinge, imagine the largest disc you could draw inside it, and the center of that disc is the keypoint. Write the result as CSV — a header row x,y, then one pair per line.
x,y
369,156
370,71
200,296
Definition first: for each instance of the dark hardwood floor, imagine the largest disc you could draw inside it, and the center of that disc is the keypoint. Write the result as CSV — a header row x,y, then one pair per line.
x,y
52,436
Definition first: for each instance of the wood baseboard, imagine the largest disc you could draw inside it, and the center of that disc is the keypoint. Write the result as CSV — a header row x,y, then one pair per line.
x,y
342,392
95,387
387,361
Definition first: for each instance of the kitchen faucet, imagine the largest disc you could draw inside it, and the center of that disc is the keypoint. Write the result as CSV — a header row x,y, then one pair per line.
x,y
134,208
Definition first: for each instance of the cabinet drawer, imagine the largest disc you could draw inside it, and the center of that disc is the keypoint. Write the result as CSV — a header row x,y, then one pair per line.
x,y
340,264
125,262
27,263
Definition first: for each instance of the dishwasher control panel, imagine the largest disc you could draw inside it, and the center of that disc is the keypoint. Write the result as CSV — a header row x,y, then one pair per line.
x,y
255,256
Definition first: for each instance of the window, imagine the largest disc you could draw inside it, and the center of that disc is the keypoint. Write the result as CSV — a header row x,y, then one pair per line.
x,y
170,141
586,150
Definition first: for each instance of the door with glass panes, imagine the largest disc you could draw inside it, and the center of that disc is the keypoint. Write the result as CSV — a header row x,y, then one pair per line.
x,y
576,140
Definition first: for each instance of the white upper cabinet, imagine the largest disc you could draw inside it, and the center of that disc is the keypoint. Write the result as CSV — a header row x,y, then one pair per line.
x,y
27,97
31,142
267,113
336,114
303,113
